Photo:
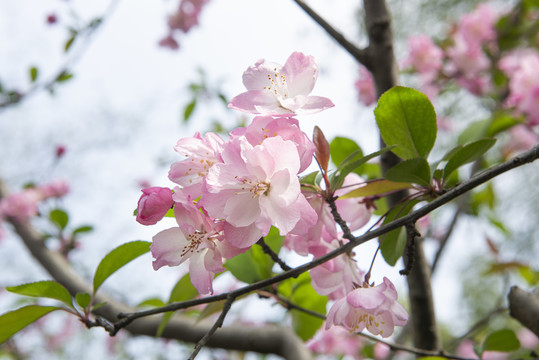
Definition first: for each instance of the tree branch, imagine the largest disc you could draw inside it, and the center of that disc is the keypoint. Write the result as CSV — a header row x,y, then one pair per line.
x,y
360,55
524,306
267,339
450,195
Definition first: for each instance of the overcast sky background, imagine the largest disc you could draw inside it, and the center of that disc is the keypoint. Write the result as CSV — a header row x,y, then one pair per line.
x,y
121,114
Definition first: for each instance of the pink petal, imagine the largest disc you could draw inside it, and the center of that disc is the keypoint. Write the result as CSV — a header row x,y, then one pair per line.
x,y
301,72
366,298
166,248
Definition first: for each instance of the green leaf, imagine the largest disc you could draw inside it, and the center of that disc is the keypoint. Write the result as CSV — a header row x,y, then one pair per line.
x,y
342,147
59,218
70,41
189,108
16,320
117,258
83,299
47,289
376,187
183,290
502,340
309,179
255,265
33,74
467,154
394,242
475,131
300,292
64,76
351,163
152,302
406,118
415,171
83,229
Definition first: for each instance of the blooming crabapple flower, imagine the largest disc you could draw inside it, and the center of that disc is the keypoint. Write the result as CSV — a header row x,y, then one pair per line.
x,y
278,90
523,70
197,238
336,277
199,156
336,341
256,187
479,26
425,57
366,90
55,189
263,127
22,205
375,308
153,205
187,15
169,42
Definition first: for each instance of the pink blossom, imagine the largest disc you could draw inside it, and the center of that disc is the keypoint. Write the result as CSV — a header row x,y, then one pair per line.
x,y
169,42
425,57
198,238
153,205
263,127
52,19
57,189
521,138
479,26
278,90
373,307
336,341
336,277
523,68
22,205
527,338
256,187
187,15
365,87
60,151
199,155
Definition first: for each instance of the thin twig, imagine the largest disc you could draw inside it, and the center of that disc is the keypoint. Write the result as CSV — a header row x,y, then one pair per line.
x,y
359,54
272,254
420,352
446,237
218,323
290,305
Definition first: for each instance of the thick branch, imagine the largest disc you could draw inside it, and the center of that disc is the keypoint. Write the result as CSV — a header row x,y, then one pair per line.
x,y
524,306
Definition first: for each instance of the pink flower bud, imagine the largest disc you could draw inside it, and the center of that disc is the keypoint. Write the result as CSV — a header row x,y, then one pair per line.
x,y
60,151
52,19
153,205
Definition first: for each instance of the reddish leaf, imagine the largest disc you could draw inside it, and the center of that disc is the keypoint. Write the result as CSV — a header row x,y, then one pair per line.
x,y
322,148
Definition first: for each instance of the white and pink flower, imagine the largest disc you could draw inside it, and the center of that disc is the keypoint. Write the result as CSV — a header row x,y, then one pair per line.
x,y
277,90
372,307
256,187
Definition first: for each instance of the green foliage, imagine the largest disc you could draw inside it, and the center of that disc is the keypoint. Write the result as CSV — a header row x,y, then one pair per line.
x,y
83,229
376,187
255,265
406,118
415,171
64,76
300,292
47,289
501,340
117,258
189,108
351,163
16,320
83,299
182,291
394,242
341,147
466,154
33,74
59,218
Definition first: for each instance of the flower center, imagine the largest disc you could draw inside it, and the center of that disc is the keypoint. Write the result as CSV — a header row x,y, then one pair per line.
x,y
256,188
277,84
195,239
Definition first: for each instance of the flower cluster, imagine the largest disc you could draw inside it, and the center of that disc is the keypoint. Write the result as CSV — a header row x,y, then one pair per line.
x,y
183,20
231,192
